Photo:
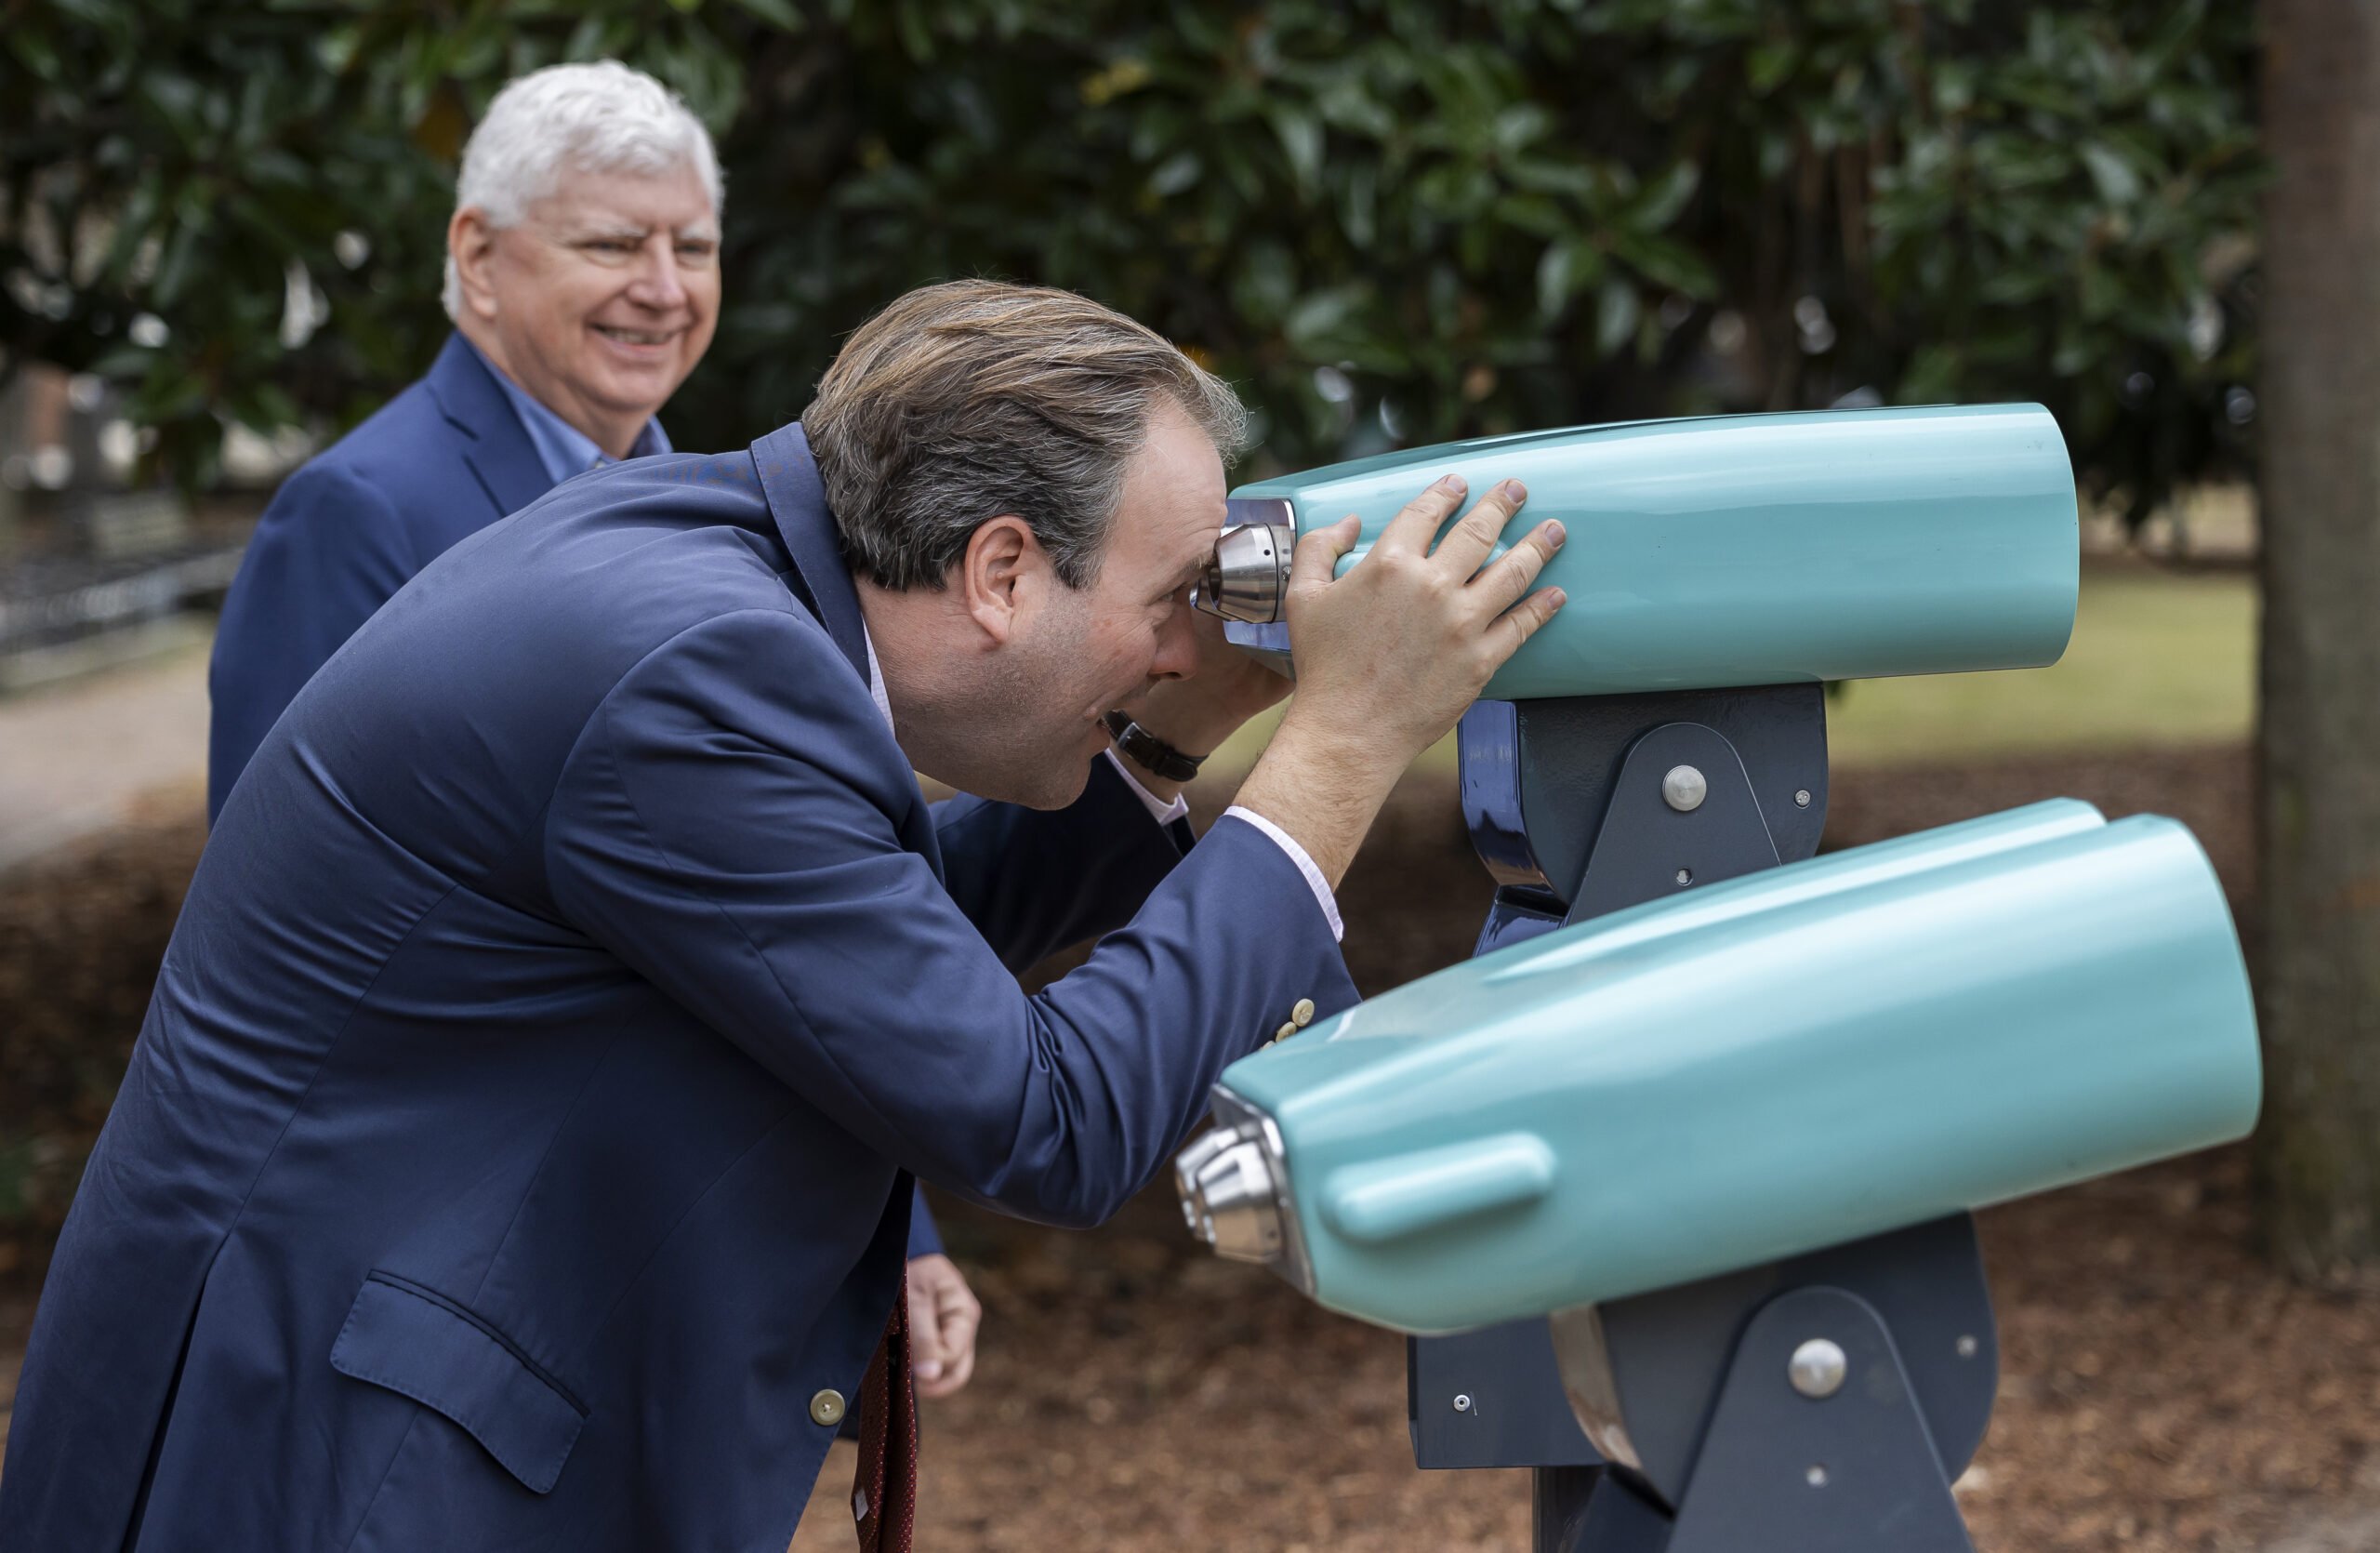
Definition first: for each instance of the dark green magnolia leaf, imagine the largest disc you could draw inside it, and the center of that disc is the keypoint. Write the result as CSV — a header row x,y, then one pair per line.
x,y
2118,185
1616,310
1319,313
1768,64
1555,285
1300,135
1174,174
1667,196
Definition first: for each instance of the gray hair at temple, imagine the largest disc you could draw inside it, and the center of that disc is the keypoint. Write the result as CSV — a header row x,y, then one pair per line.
x,y
600,118
970,400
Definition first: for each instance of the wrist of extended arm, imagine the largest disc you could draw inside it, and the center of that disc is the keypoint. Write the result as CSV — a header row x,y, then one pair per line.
x,y
1322,787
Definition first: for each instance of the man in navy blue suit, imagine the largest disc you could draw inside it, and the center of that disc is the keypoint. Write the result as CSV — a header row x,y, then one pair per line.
x,y
582,274
517,1153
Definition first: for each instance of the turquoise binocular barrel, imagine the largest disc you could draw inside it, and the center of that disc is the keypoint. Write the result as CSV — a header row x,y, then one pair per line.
x,y
1760,548
1795,1059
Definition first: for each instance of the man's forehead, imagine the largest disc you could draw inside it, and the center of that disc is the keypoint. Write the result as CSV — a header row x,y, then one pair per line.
x,y
631,202
1186,520
1172,499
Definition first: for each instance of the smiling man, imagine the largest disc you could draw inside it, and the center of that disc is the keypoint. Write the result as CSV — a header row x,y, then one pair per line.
x,y
582,274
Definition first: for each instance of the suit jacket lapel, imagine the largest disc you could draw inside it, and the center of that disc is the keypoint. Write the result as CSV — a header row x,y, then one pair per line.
x,y
500,453
797,501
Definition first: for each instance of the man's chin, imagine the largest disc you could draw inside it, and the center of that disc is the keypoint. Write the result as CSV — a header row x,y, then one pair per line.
x,y
1061,790
1047,789
641,388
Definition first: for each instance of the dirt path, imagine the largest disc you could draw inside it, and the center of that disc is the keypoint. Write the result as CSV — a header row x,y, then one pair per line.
x,y
76,757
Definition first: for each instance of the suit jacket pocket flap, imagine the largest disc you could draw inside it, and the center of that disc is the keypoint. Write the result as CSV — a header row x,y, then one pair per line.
x,y
419,1344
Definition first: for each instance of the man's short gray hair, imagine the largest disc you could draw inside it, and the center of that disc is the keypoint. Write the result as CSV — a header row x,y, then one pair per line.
x,y
970,400
597,118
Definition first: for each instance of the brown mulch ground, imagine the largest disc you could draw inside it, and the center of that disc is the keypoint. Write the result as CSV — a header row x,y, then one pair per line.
x,y
2162,1389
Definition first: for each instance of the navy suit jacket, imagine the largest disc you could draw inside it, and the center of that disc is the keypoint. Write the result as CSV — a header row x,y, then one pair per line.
x,y
521,1130
438,463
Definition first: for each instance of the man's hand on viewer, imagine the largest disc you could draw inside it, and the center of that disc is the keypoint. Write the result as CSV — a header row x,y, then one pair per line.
x,y
1390,655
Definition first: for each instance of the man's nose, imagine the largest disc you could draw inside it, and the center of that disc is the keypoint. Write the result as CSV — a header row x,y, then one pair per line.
x,y
1177,647
660,284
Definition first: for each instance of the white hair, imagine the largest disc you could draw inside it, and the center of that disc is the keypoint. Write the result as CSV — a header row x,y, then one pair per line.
x,y
597,118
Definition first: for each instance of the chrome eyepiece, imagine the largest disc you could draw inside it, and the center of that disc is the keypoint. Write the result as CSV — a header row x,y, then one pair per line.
x,y
1235,1184
1229,1197
1248,570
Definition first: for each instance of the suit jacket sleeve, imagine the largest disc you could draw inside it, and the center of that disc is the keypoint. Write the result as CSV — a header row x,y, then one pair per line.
x,y
1034,882
730,826
328,551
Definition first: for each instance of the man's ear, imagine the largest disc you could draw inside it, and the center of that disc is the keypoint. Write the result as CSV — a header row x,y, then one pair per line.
x,y
999,578
470,243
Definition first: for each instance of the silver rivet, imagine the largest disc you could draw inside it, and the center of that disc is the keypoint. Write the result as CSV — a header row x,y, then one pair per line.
x,y
1686,876
1817,1368
1463,1401
1815,1477
1968,1346
1684,789
1801,798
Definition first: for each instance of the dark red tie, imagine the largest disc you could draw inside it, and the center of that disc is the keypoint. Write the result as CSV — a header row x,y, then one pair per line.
x,y
884,1491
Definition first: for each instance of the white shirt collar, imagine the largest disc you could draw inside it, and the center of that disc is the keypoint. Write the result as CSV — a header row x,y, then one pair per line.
x,y
875,677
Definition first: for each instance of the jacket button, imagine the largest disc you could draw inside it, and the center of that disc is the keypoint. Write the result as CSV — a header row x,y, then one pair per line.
x,y
1285,1032
827,1408
1302,1013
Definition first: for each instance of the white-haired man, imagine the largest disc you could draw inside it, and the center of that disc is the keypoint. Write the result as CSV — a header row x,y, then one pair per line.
x,y
582,274
583,278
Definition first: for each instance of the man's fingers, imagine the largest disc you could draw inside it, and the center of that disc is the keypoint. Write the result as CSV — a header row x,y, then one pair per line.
x,y
957,1315
955,1377
1469,542
1519,623
1516,572
1413,527
925,1332
1317,554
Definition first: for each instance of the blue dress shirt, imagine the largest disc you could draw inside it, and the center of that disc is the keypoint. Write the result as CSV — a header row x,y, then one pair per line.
x,y
562,447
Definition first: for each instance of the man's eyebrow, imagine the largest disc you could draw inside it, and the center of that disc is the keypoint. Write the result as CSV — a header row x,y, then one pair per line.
x,y
703,231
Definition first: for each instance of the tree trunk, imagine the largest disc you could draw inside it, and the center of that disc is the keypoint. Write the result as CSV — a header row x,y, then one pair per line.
x,y
2319,734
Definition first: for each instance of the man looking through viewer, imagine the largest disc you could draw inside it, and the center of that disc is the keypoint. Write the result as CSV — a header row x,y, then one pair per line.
x,y
517,1151
583,279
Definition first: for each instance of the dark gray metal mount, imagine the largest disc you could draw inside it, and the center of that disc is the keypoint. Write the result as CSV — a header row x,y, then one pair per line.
x,y
1588,806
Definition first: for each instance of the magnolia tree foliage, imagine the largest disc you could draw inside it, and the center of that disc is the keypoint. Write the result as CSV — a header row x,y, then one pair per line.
x,y
1385,219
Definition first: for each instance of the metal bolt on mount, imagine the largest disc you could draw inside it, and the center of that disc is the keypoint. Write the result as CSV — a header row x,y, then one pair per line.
x,y
1683,789
1463,1401
1817,1368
